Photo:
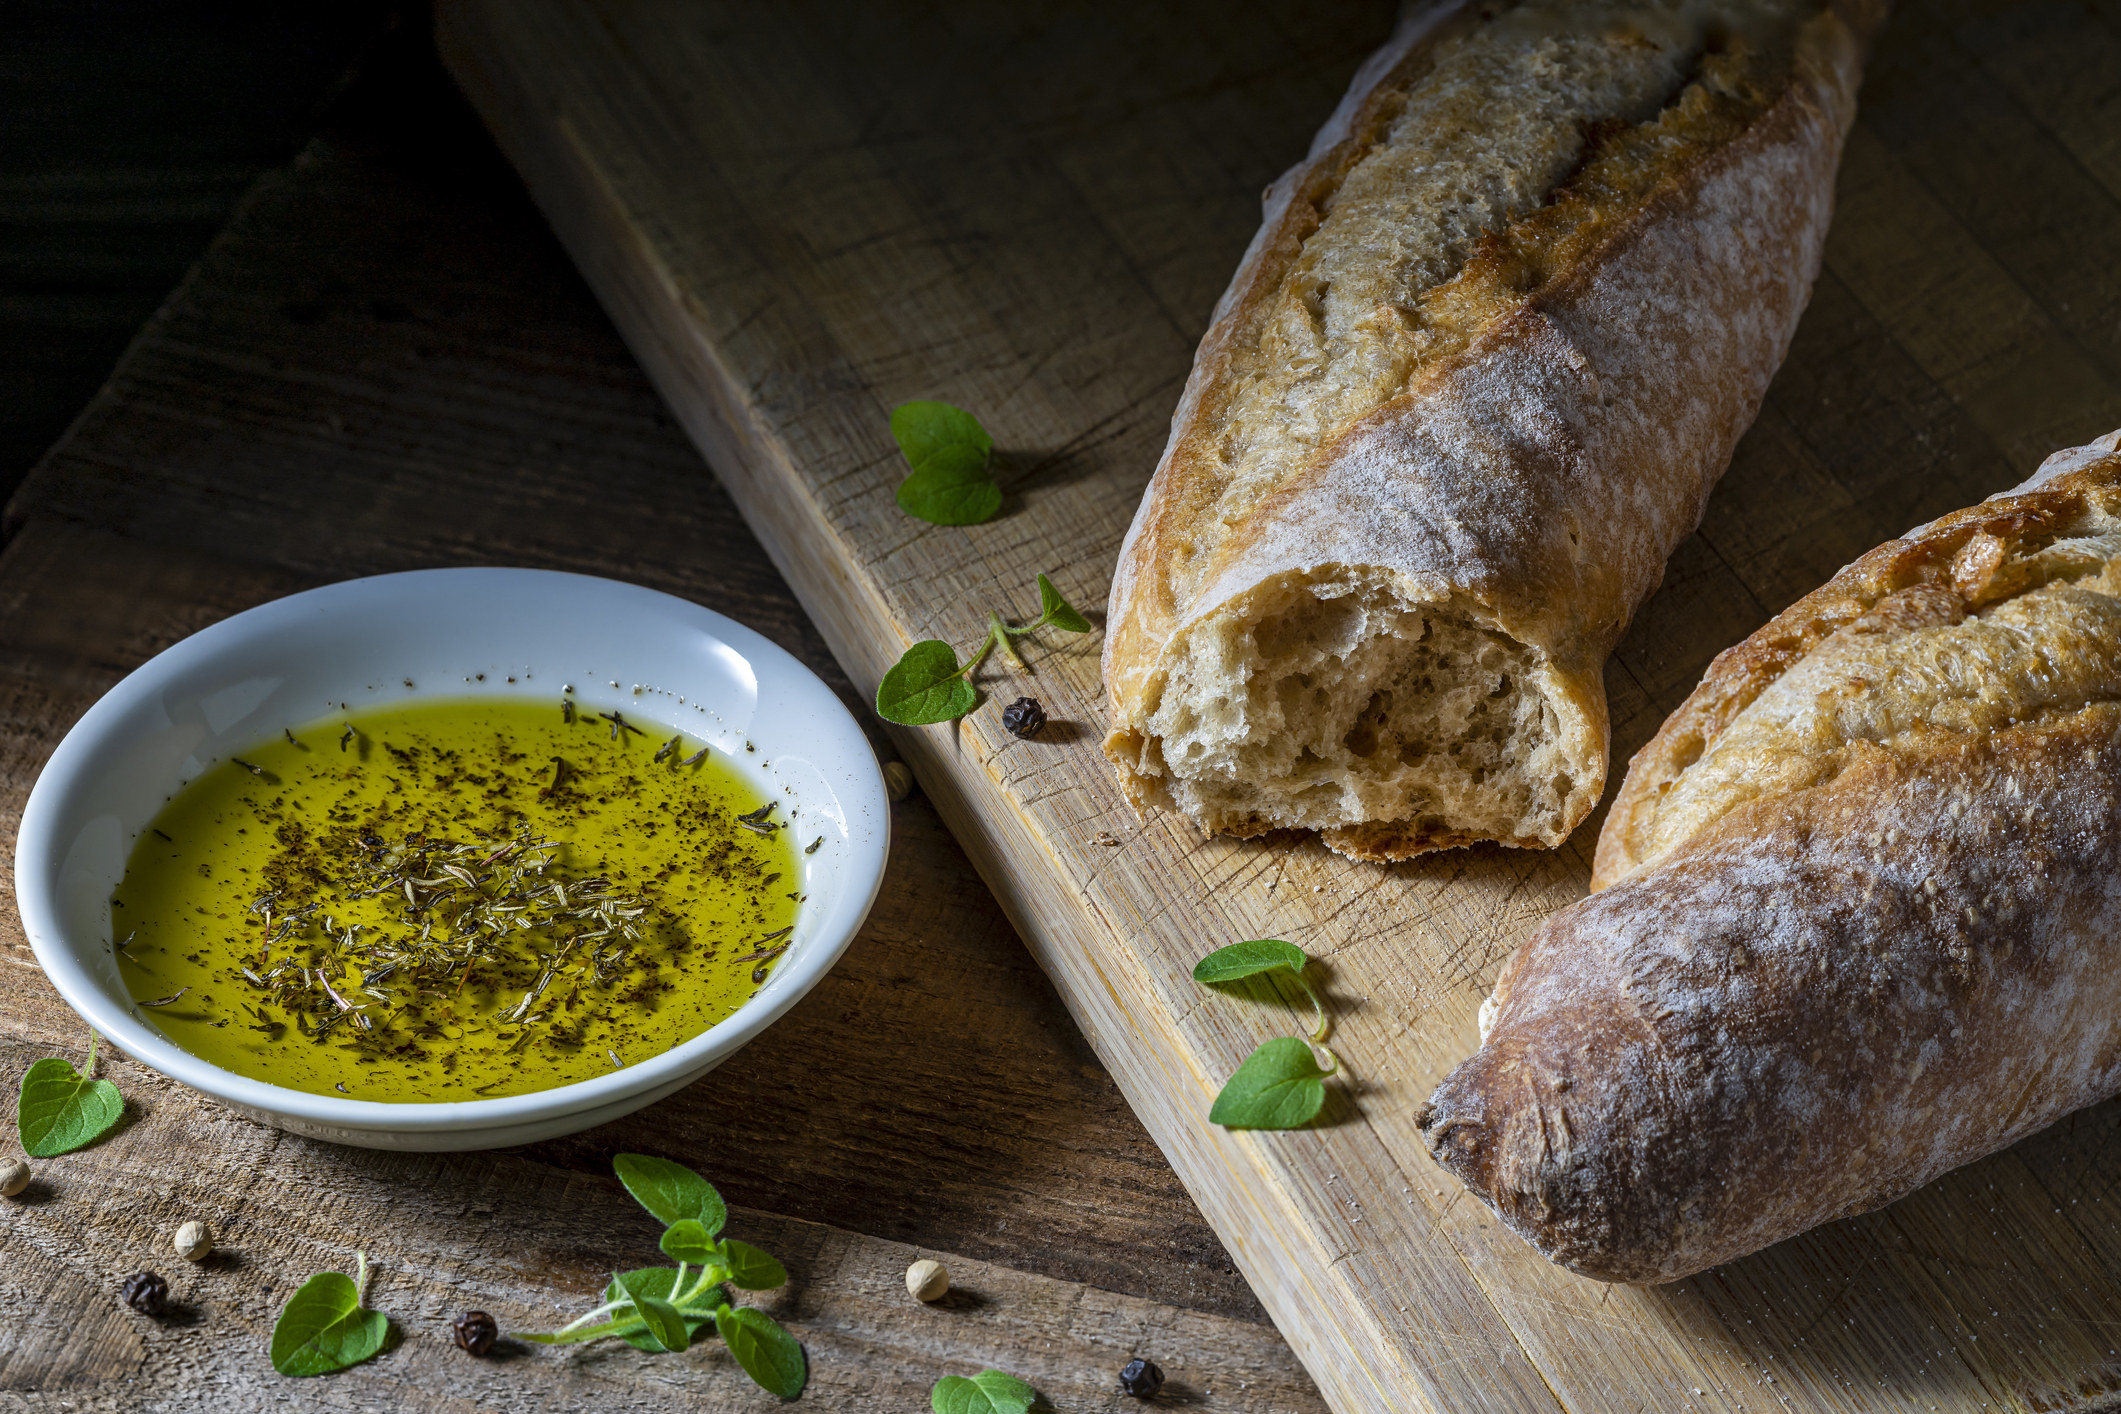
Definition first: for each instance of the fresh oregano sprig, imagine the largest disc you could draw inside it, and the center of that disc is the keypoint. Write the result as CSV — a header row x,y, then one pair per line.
x,y
928,685
952,457
61,1109
664,1308
988,1392
323,1327
1281,1085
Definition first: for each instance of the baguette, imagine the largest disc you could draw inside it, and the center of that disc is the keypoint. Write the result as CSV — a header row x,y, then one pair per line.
x,y
1472,382
1856,916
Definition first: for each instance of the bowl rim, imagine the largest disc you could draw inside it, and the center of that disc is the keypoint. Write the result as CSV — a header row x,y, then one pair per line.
x,y
73,764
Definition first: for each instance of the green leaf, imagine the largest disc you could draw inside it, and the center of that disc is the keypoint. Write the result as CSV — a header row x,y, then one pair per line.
x,y
1058,611
925,686
655,1281
671,1191
950,454
752,1269
772,1357
664,1325
1262,955
634,1332
926,428
1248,959
688,1240
61,1109
1280,1086
322,1327
988,1392
952,489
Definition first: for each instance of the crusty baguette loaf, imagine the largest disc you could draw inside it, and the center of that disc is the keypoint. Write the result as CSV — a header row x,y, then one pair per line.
x,y
1861,914
1473,381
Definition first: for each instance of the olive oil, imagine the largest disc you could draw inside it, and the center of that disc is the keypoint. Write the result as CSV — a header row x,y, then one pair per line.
x,y
454,900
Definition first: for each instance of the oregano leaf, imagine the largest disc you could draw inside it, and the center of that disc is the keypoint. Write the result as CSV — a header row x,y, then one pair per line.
x,y
661,1319
925,686
950,455
656,1281
323,1328
1248,959
1262,955
772,1357
752,1269
665,1324
671,1191
688,1240
1058,611
1279,1086
988,1392
954,488
924,428
61,1109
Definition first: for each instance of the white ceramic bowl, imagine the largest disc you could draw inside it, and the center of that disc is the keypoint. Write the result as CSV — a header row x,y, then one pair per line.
x,y
356,645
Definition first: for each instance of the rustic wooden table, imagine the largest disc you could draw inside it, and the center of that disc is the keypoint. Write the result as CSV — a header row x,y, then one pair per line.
x,y
385,363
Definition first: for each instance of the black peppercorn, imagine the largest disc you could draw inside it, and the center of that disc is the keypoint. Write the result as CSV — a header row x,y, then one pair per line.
x,y
1024,717
476,1332
146,1293
1141,1379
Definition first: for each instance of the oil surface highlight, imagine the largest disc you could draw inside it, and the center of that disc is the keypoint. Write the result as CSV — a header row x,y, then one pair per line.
x,y
454,900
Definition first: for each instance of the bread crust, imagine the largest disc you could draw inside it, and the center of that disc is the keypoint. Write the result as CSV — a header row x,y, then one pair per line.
x,y
1534,482
1927,555
1820,998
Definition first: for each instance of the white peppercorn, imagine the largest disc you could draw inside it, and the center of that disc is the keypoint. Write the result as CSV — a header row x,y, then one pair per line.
x,y
928,1280
14,1177
194,1241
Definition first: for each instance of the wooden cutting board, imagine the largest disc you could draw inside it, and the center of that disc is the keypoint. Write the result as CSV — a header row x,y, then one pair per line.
x,y
801,215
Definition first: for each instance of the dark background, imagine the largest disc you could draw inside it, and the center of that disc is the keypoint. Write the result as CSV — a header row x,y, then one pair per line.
x,y
127,132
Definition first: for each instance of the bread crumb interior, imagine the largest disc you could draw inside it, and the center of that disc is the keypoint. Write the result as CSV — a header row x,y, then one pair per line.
x,y
1336,704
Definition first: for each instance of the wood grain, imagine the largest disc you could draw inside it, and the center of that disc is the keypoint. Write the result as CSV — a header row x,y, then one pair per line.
x,y
531,1244
797,227
385,363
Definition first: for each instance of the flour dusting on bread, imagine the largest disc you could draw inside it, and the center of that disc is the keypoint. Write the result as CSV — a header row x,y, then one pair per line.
x,y
1344,329
1854,916
1921,661
2012,624
1470,386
